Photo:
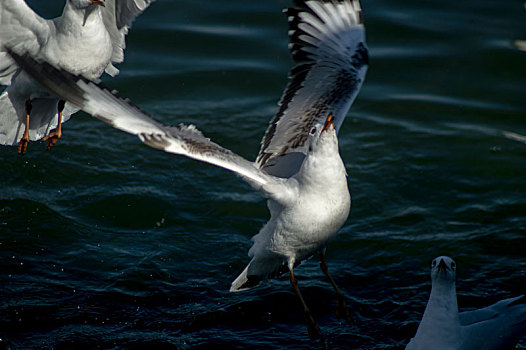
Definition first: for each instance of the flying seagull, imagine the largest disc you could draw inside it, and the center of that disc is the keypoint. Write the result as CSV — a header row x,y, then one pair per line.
x,y
87,39
299,168
496,327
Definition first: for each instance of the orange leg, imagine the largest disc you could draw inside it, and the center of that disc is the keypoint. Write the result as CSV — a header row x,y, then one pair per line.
x,y
312,327
53,137
342,310
22,145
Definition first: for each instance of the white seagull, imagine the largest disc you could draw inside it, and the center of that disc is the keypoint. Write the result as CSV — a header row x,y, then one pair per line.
x,y
299,168
496,327
87,39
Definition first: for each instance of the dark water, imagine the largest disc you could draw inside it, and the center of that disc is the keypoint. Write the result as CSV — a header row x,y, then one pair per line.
x,y
106,243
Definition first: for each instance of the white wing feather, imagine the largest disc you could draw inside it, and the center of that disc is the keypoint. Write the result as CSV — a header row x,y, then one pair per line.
x,y
21,29
118,16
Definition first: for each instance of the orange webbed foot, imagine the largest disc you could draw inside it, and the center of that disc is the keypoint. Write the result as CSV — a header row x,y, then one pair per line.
x,y
22,145
52,139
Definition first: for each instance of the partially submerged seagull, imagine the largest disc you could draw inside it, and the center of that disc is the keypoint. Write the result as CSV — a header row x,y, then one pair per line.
x,y
87,39
299,168
496,327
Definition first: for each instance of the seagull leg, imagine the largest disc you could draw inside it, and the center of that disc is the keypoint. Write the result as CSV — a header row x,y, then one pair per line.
x,y
312,327
342,310
22,145
53,137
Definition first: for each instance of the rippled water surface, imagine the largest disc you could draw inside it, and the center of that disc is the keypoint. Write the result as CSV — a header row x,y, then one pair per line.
x,y
106,243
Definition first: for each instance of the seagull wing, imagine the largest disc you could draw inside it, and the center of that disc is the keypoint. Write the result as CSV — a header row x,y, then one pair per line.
x,y
22,30
327,43
118,16
491,312
498,326
121,114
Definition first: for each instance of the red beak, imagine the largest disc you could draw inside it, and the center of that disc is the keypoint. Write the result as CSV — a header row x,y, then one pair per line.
x,y
328,123
97,2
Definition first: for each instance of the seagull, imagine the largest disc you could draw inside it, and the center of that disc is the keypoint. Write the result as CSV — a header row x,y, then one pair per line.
x,y
298,168
87,39
496,327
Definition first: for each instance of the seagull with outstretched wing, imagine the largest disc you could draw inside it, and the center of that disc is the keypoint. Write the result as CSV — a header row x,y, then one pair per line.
x,y
299,168
87,39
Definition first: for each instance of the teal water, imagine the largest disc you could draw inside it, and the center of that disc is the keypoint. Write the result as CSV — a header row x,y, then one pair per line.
x,y
106,243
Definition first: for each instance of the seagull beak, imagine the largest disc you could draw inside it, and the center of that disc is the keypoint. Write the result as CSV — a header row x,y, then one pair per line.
x,y
442,265
97,2
328,123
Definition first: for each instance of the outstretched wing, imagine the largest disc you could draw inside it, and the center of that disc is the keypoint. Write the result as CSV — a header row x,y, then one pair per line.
x,y
327,42
22,30
121,114
118,16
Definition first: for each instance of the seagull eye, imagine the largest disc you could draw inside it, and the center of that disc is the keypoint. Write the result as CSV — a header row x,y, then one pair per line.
x,y
313,131
434,263
453,265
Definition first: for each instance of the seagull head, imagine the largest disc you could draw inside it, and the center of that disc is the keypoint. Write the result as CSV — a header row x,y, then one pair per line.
x,y
322,136
443,268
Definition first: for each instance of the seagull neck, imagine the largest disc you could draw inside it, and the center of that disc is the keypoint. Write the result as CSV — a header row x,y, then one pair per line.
x,y
442,306
440,324
74,19
322,167
323,162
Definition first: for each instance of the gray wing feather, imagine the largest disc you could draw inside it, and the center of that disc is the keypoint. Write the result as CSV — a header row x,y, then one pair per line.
x,y
327,42
493,311
121,114
498,326
188,141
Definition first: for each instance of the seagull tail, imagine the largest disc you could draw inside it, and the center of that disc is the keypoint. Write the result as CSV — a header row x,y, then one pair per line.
x,y
260,268
244,282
